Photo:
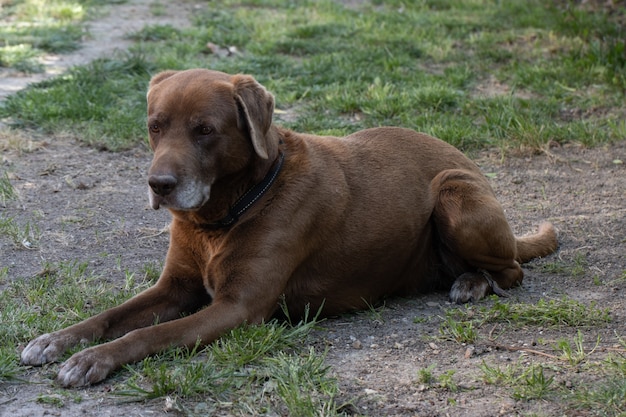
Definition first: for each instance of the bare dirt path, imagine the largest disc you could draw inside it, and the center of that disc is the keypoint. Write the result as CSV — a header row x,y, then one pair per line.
x,y
105,35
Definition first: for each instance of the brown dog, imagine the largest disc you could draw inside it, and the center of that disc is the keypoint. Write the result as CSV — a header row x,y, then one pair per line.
x,y
262,214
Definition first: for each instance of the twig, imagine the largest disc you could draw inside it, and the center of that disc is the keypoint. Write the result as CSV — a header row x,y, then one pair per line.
x,y
517,349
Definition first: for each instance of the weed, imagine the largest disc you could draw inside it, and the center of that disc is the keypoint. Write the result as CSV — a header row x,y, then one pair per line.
x,y
606,398
375,313
494,375
7,192
9,368
303,383
533,384
527,382
457,331
446,381
425,375
576,267
26,236
51,399
563,312
152,271
575,353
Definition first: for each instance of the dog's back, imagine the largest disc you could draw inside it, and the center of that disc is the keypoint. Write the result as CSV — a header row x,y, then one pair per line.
x,y
370,205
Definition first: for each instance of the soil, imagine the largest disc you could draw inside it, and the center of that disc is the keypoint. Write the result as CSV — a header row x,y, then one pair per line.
x,y
91,206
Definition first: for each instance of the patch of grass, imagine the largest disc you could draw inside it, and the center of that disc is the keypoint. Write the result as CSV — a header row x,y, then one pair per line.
x,y
425,375
563,312
60,295
446,381
85,97
527,382
7,192
269,358
152,271
459,331
575,353
574,267
462,324
533,384
505,74
606,396
375,313
537,381
9,366
263,367
603,399
25,235
31,28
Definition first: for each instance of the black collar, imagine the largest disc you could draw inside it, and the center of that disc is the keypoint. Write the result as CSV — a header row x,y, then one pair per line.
x,y
250,197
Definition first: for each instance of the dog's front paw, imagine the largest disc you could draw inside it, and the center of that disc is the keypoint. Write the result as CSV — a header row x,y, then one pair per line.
x,y
87,367
44,349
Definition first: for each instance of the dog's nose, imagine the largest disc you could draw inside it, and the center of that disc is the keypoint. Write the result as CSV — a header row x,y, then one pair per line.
x,y
162,184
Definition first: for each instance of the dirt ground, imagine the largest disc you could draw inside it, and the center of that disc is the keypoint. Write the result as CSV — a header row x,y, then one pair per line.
x,y
91,206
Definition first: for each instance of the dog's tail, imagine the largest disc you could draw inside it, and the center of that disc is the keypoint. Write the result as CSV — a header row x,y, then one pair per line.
x,y
542,243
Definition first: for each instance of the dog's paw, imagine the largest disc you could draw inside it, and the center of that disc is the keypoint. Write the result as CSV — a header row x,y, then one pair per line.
x,y
469,287
44,349
472,286
87,367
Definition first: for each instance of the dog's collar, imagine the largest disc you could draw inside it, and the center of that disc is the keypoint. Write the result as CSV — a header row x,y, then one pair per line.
x,y
250,197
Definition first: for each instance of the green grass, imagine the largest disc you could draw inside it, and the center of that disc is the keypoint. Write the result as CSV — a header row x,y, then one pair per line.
x,y
264,367
22,234
7,192
514,75
460,331
581,359
31,28
545,312
527,382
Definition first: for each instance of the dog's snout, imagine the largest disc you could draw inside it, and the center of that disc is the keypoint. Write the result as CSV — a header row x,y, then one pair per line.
x,y
162,184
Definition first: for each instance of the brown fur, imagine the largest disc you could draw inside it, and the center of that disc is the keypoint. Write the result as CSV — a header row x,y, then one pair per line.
x,y
348,221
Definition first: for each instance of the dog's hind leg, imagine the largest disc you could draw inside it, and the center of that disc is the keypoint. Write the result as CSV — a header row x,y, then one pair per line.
x,y
477,244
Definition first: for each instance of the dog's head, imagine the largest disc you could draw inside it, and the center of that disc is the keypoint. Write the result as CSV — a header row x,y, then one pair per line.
x,y
203,126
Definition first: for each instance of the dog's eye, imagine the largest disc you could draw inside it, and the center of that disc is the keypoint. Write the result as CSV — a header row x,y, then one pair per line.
x,y
154,128
205,130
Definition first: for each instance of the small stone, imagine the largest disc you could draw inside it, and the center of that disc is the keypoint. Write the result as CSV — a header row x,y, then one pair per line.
x,y
507,406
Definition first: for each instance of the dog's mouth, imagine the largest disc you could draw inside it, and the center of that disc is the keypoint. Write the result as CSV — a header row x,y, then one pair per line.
x,y
183,200
155,201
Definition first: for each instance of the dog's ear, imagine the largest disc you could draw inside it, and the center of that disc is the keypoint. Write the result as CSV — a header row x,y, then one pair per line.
x,y
256,106
158,78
